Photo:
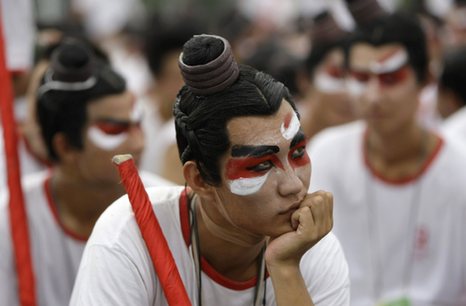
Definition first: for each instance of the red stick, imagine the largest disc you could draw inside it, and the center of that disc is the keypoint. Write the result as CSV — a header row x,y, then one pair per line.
x,y
18,217
162,258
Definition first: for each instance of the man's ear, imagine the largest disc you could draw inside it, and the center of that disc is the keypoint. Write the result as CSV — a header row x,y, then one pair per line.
x,y
64,150
196,181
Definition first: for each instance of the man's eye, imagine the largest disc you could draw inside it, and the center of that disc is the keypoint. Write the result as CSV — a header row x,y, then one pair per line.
x,y
113,129
263,166
335,72
391,78
360,76
298,153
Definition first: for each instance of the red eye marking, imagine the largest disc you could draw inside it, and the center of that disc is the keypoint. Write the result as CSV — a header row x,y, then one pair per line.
x,y
298,159
394,77
360,76
242,167
335,72
112,128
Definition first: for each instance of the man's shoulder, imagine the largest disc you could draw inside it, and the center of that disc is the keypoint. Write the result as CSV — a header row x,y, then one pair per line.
x,y
32,188
117,222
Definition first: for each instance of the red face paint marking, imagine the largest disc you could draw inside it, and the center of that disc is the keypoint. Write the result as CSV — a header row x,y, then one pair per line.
x,y
387,56
112,128
287,121
244,167
386,79
335,71
394,77
298,158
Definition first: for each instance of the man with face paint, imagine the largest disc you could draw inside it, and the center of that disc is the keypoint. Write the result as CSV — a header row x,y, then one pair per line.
x,y
86,115
327,102
244,231
398,188
451,100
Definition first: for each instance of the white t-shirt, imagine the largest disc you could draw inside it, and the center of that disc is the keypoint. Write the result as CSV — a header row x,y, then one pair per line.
x,y
117,270
455,125
406,238
56,252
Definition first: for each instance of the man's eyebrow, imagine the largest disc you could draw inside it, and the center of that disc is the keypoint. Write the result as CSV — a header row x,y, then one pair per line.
x,y
297,138
254,151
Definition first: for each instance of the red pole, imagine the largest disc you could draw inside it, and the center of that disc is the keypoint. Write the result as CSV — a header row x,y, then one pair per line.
x,y
18,218
162,258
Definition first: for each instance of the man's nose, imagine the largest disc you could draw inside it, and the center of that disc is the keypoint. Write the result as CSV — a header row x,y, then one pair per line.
x,y
136,139
372,93
291,183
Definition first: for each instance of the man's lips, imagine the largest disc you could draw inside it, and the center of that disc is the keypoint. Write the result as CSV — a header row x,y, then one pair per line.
x,y
291,209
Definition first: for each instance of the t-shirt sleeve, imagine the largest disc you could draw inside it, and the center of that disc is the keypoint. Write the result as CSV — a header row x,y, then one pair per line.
x,y
325,271
107,276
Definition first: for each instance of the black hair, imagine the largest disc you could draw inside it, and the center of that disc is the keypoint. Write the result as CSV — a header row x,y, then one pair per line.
x,y
61,107
318,53
163,38
326,36
453,76
270,57
397,28
201,120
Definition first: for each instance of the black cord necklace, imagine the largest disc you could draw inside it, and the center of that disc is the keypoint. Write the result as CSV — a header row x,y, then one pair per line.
x,y
261,286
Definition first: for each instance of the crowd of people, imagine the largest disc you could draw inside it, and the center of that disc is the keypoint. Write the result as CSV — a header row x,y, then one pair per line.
x,y
223,118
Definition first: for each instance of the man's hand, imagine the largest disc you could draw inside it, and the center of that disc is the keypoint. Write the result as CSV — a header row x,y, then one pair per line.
x,y
311,222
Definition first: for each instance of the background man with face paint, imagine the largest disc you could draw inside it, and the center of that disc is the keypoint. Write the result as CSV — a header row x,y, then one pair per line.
x,y
327,102
451,101
245,231
86,116
399,189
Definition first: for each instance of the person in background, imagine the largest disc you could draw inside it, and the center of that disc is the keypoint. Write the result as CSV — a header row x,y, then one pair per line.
x,y
86,115
399,218
326,102
245,231
455,25
164,42
452,94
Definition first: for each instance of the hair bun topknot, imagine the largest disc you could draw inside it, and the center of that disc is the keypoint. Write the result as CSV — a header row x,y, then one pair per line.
x,y
72,62
207,76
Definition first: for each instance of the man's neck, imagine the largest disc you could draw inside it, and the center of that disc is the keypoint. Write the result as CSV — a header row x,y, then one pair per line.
x,y
399,155
236,262
79,203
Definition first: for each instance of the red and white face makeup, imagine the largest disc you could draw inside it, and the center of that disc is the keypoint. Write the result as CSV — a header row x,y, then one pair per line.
x,y
249,166
330,80
390,70
290,126
109,133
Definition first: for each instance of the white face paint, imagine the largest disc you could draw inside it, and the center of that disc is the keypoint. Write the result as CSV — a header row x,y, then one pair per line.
x,y
390,64
290,127
247,186
328,84
106,141
355,87
137,112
